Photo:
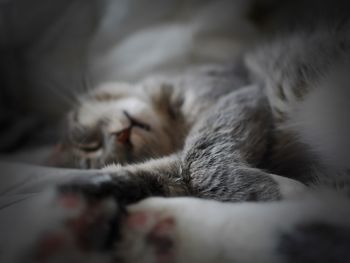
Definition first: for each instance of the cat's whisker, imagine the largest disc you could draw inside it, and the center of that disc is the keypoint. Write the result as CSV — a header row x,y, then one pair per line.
x,y
63,94
85,84
61,90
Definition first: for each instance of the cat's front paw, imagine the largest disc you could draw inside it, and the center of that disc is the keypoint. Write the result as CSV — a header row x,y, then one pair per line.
x,y
76,226
124,186
71,228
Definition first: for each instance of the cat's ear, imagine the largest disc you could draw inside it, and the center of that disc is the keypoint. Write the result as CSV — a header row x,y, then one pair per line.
x,y
164,98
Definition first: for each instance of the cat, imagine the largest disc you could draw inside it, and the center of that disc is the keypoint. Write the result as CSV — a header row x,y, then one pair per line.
x,y
234,146
260,135
155,131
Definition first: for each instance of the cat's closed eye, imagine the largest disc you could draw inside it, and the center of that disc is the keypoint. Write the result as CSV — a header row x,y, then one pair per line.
x,y
85,140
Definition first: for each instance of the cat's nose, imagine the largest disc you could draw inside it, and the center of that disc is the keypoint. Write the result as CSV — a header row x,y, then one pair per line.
x,y
87,140
123,136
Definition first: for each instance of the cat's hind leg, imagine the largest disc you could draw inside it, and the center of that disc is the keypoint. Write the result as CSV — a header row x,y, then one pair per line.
x,y
313,228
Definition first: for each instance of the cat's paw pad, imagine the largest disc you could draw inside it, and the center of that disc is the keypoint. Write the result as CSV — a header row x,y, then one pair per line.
x,y
148,236
86,230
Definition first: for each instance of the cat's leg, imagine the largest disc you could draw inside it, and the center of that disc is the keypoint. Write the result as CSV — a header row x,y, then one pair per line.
x,y
131,183
224,151
312,228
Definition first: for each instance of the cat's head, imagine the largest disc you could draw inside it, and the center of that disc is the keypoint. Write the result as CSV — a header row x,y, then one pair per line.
x,y
119,123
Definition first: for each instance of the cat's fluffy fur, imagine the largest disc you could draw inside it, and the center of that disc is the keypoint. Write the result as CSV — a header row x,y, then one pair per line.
x,y
251,131
235,151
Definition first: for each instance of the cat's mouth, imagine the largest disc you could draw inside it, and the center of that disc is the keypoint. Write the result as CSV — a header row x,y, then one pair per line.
x,y
124,136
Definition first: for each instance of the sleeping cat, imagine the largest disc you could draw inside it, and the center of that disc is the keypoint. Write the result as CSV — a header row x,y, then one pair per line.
x,y
261,129
250,131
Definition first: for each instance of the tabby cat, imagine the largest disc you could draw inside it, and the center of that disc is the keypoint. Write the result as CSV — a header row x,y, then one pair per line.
x,y
271,127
